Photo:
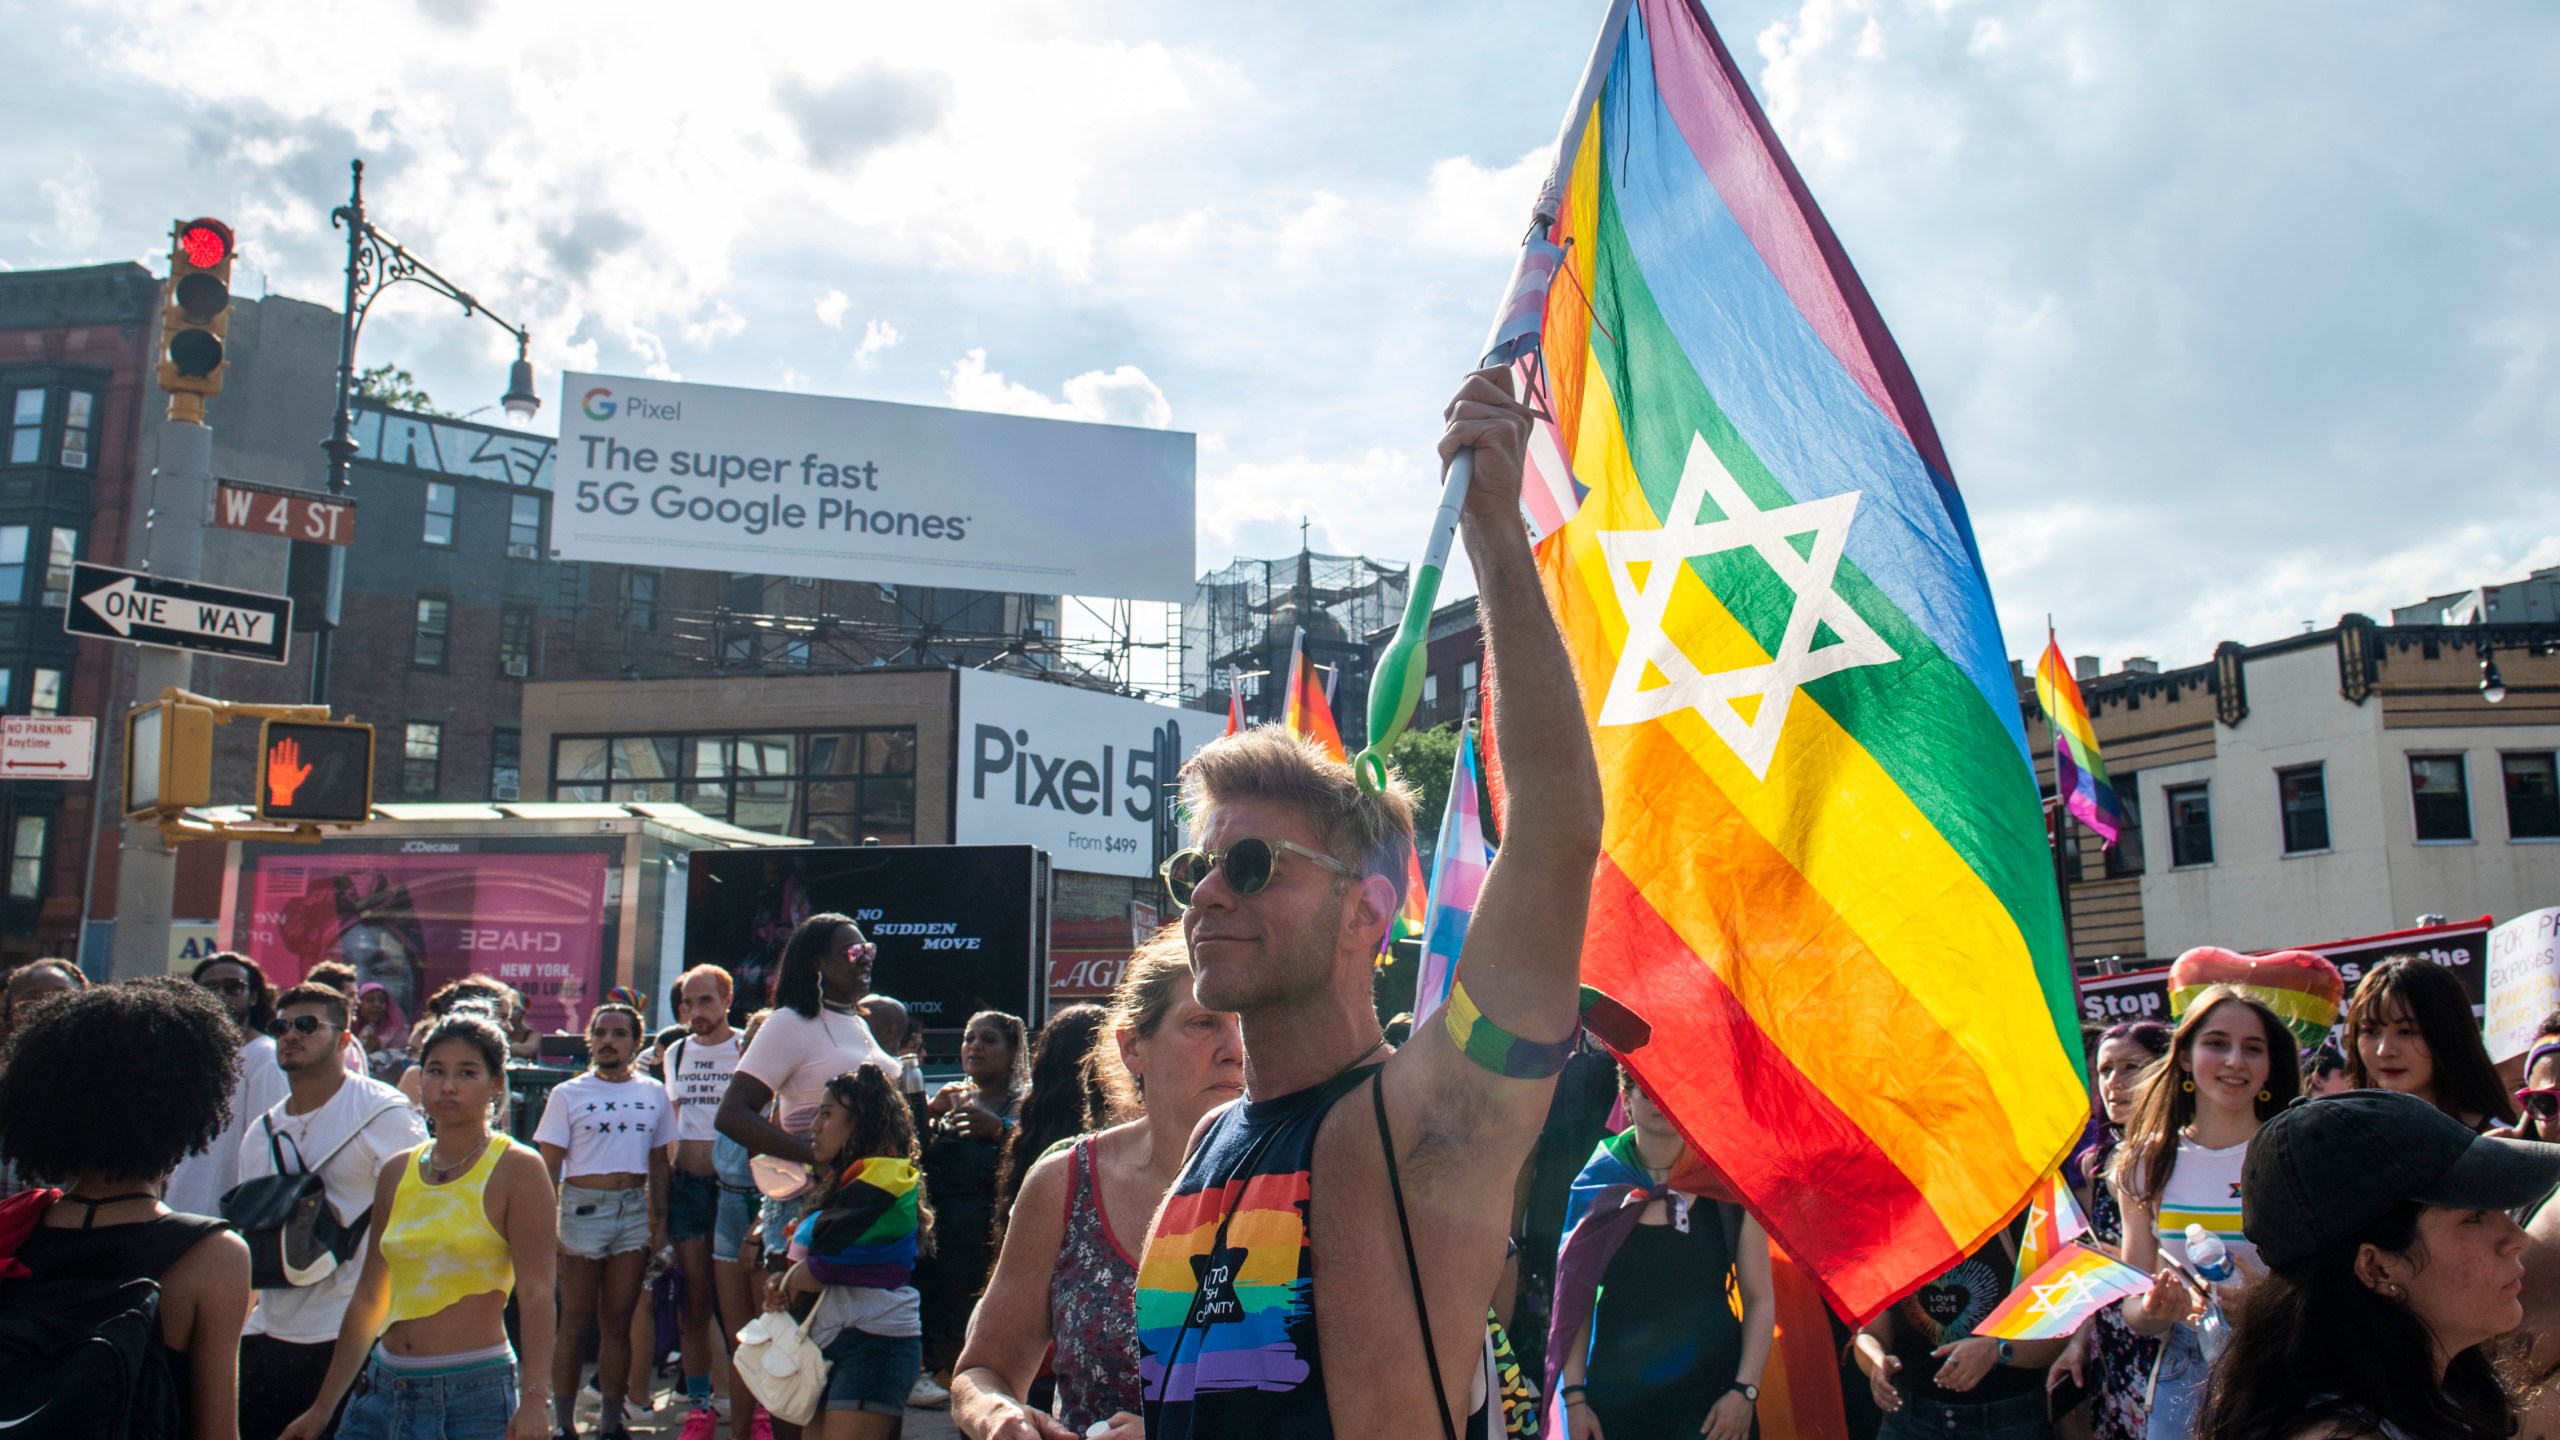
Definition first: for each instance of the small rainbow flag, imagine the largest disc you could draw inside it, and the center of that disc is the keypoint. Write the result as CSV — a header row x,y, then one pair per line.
x,y
2059,1298
1235,701
2079,771
1309,715
2053,1220
1458,865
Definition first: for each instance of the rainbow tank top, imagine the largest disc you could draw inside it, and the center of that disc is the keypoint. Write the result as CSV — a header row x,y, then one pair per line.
x,y
1226,1290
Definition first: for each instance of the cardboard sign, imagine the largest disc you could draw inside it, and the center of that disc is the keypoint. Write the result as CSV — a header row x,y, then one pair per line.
x,y
2524,980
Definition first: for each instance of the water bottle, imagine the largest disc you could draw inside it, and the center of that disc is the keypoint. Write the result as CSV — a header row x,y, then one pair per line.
x,y
2211,1260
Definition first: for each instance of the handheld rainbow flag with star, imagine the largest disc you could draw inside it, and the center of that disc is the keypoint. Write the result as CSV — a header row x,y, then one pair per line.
x,y
1825,880
2053,1220
2058,1298
2079,771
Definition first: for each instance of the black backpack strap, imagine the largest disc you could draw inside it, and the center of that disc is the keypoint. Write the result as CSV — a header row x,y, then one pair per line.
x,y
275,1151
1412,1268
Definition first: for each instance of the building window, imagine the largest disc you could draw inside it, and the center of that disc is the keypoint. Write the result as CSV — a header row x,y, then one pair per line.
x,y
5,678
515,641
1467,672
837,787
62,551
2304,799
2441,794
640,599
44,697
1431,692
435,625
2190,824
506,764
26,857
26,428
421,756
440,502
78,408
2533,796
13,564
524,527
2125,856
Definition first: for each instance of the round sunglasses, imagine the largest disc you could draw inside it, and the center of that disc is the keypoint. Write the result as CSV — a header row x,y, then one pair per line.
x,y
1247,864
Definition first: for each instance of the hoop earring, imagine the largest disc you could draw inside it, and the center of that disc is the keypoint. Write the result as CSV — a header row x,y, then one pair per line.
x,y
2265,1095
2188,1084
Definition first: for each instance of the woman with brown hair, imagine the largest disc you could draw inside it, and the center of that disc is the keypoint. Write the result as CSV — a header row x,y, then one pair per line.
x,y
2231,1066
2410,1029
1067,1272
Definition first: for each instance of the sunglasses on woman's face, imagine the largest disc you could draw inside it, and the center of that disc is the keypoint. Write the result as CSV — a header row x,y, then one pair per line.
x,y
1247,864
2540,1104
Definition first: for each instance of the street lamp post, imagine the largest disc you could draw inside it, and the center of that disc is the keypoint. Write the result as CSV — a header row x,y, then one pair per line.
x,y
376,262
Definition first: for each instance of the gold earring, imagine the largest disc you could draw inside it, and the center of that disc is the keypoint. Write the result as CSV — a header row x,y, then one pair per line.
x,y
2188,1084
2265,1095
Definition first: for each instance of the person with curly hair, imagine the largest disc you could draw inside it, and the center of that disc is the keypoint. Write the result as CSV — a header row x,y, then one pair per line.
x,y
102,1093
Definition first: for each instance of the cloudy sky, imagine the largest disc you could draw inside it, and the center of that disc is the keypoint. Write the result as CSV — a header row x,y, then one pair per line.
x,y
2233,316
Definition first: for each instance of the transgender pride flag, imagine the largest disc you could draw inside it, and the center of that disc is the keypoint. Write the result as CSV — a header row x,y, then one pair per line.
x,y
1457,874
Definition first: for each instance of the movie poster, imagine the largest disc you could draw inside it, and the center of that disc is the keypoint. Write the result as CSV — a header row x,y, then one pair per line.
x,y
416,922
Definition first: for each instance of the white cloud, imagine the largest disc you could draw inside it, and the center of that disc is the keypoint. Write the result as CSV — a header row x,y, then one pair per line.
x,y
878,337
1121,396
1468,208
73,197
831,308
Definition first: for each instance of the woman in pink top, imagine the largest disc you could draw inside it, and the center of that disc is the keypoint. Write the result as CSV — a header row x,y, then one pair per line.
x,y
1067,1272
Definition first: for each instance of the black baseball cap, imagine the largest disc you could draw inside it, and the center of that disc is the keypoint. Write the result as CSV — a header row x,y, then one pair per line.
x,y
2323,1170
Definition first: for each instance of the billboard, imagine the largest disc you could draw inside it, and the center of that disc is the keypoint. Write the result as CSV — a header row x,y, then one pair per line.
x,y
707,477
1077,773
957,925
430,913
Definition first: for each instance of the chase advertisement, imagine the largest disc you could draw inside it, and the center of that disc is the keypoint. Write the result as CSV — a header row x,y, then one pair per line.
x,y
417,919
707,477
1080,774
956,924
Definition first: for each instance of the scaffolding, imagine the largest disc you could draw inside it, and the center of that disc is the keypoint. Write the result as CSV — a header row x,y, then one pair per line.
x,y
1245,618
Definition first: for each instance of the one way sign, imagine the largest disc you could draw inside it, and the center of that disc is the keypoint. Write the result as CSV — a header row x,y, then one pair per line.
x,y
180,614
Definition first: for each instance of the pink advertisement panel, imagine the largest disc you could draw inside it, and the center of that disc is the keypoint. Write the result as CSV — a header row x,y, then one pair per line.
x,y
416,922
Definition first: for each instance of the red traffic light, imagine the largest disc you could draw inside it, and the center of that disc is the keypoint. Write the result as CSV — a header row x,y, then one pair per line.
x,y
205,243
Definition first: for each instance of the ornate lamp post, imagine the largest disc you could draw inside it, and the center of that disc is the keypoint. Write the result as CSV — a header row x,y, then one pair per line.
x,y
376,262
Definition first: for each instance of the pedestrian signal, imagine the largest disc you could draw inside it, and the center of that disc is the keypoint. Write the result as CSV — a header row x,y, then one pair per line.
x,y
315,772
168,758
196,316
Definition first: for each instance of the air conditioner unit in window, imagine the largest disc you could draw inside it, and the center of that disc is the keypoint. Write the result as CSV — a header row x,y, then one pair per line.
x,y
518,669
524,552
502,794
74,459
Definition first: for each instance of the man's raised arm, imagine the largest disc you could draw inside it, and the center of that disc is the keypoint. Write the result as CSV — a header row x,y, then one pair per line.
x,y
1518,982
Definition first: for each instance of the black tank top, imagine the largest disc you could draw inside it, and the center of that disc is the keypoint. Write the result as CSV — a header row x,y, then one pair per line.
x,y
113,1254
1226,1291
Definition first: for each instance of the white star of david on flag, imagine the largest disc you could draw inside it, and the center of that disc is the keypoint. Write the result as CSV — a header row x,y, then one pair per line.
x,y
1665,552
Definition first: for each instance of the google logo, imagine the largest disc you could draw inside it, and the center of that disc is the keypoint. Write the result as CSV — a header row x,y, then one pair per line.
x,y
598,403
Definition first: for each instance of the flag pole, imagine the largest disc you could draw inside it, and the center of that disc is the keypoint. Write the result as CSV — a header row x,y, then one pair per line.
x,y
1395,687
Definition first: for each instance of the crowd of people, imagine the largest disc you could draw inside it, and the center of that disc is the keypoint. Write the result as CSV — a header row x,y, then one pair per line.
x,y
1225,1204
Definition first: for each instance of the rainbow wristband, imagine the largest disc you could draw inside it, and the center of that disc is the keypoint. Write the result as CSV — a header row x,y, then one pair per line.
x,y
1497,1049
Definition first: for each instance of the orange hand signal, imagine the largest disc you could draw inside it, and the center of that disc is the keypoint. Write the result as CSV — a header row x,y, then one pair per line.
x,y
285,771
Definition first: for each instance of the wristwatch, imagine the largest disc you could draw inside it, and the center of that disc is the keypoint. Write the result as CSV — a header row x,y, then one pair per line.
x,y
1749,1392
2008,1354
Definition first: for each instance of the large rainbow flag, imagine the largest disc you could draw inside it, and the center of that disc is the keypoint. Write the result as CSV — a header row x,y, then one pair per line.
x,y
2079,771
1825,881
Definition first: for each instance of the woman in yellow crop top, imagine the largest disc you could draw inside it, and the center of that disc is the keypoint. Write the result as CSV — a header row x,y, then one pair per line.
x,y
457,1223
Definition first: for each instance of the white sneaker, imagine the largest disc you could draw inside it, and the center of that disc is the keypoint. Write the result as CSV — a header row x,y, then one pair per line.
x,y
925,1394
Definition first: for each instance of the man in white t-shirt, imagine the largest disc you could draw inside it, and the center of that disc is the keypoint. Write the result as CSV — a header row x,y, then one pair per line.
x,y
197,1186
605,1135
706,1223
346,1128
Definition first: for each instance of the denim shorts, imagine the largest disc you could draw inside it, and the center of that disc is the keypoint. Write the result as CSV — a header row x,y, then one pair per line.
x,y
872,1372
738,1199
597,1223
2020,1417
693,1205
468,1404
2177,1385
780,1216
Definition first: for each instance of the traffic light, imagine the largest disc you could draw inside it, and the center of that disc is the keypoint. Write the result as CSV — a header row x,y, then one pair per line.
x,y
196,315
315,772
168,758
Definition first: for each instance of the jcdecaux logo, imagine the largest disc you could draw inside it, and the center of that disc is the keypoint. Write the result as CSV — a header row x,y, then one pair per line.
x,y
599,404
